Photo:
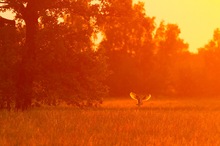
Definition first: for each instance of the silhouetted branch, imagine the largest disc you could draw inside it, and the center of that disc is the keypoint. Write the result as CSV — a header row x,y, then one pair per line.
x,y
6,22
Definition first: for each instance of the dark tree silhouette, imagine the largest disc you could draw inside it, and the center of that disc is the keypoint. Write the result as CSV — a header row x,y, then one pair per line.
x,y
6,22
30,11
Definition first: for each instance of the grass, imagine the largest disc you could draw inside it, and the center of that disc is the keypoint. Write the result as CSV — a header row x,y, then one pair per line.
x,y
117,122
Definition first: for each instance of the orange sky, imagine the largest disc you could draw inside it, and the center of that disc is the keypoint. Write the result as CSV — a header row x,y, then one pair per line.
x,y
197,19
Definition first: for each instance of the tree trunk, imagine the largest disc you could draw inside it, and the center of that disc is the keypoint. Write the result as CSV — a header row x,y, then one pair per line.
x,y
26,71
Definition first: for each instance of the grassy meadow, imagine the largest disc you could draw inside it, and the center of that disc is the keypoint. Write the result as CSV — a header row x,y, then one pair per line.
x,y
116,123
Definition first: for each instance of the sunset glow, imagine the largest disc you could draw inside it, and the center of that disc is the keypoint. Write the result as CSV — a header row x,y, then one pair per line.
x,y
197,19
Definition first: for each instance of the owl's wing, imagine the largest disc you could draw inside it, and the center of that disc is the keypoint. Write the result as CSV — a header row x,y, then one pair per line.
x,y
146,97
133,95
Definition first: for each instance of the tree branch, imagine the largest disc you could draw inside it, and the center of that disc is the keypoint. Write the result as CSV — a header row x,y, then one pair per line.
x,y
3,4
6,22
4,7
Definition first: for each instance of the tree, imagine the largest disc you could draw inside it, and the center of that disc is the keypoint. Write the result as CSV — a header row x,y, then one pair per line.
x,y
30,78
168,48
128,44
211,56
28,11
66,58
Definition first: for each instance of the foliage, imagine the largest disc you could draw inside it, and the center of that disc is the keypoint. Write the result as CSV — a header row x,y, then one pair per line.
x,y
128,43
169,48
57,61
210,54
143,58
66,58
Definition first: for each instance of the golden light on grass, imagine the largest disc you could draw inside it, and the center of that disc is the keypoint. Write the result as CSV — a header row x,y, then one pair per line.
x,y
118,122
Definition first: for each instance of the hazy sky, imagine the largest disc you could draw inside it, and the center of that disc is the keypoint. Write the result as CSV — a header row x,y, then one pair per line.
x,y
197,19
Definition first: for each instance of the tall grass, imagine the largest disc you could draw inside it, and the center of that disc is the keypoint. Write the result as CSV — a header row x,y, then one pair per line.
x,y
118,122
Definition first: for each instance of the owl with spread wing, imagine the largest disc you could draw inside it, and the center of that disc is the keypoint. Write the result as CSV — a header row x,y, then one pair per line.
x,y
139,98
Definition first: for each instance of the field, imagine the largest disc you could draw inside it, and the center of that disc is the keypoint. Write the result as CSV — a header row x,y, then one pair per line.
x,y
116,123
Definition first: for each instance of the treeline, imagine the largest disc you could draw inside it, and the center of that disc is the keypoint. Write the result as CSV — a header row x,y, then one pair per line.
x,y
51,55
146,58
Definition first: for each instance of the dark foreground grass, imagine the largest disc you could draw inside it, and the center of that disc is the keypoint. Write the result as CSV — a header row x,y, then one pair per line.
x,y
117,122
